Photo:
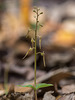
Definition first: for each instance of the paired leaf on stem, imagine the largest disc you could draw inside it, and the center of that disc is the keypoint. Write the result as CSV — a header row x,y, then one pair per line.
x,y
38,86
31,86
42,85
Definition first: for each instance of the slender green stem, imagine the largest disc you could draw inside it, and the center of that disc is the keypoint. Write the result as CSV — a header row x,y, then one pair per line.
x,y
6,80
35,55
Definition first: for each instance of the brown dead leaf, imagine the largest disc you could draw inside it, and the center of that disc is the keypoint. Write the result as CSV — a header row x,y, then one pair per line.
x,y
67,97
68,89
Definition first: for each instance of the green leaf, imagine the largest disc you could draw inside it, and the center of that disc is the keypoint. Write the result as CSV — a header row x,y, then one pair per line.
x,y
42,85
31,86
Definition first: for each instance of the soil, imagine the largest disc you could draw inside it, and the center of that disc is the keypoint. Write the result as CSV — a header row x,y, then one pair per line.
x,y
26,96
17,96
47,96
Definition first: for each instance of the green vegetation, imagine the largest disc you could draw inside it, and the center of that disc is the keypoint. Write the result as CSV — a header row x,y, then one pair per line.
x,y
33,48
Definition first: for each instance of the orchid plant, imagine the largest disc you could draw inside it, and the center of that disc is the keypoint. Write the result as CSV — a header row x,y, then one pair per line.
x,y
36,86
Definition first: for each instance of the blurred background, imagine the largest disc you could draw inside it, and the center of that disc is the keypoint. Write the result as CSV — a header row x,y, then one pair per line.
x,y
58,39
